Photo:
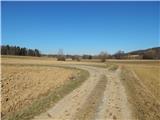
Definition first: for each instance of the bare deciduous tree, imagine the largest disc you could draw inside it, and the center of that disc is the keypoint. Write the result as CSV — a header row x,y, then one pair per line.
x,y
119,54
103,56
61,56
76,57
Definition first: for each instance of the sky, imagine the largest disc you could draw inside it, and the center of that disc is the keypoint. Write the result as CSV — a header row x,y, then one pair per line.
x,y
81,27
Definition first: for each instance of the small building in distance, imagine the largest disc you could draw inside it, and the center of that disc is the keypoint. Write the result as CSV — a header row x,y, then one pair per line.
x,y
134,56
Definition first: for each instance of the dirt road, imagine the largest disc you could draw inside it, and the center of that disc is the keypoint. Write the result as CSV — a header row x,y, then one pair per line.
x,y
101,97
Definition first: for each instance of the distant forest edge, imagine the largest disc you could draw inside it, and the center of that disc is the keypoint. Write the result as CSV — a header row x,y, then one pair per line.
x,y
151,53
21,51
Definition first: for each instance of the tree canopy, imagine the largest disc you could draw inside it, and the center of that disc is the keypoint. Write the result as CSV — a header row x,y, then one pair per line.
x,y
21,51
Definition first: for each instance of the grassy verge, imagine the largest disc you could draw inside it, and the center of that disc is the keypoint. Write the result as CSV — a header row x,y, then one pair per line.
x,y
113,67
105,65
45,102
151,79
94,65
110,66
144,105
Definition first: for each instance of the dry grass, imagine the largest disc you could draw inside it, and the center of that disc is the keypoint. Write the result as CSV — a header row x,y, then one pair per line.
x,y
49,100
147,71
142,83
140,78
112,67
28,84
22,84
151,79
135,62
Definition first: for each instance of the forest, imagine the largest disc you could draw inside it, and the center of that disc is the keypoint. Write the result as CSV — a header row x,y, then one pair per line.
x,y
21,51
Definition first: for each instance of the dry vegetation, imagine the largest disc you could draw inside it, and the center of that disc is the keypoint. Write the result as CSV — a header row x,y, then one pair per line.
x,y
151,79
23,75
24,82
142,83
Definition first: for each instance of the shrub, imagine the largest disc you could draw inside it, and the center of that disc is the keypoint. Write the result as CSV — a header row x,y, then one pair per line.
x,y
61,58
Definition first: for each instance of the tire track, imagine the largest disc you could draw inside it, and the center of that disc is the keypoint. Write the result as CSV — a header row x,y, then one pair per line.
x,y
68,107
101,97
114,104
89,108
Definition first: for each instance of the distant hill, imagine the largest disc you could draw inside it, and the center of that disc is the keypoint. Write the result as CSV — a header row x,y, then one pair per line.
x,y
144,51
151,53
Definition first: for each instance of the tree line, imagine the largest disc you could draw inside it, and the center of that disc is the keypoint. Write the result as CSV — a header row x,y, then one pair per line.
x,y
152,53
21,51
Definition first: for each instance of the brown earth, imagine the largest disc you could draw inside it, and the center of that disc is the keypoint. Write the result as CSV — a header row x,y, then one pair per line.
x,y
22,84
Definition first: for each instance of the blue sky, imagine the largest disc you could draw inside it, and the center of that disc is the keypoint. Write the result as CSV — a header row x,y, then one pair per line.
x,y
81,27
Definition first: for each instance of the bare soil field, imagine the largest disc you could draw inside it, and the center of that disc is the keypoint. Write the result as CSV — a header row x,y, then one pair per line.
x,y
19,82
116,89
22,84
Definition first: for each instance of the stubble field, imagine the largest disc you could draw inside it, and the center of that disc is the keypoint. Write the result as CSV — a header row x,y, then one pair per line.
x,y
24,82
28,79
142,83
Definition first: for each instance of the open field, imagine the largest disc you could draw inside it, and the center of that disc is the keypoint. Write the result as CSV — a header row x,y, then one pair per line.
x,y
150,77
116,89
22,84
19,82
80,60
142,82
148,72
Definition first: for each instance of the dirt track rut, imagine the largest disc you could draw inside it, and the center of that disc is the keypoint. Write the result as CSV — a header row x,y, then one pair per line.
x,y
101,97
